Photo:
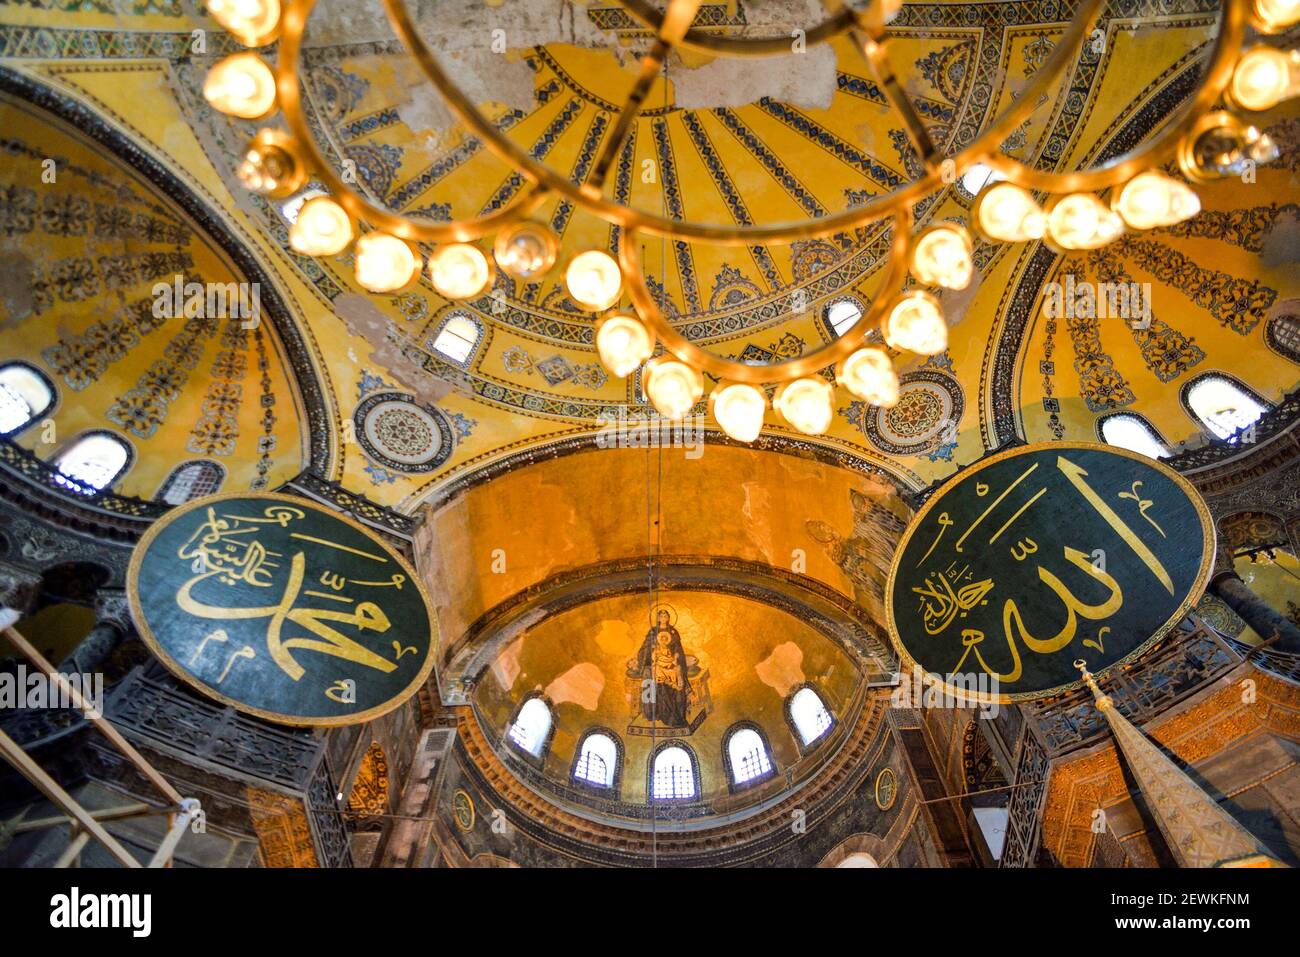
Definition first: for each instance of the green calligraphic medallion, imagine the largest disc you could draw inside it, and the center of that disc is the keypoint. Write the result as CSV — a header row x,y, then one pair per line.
x,y
1042,555
281,608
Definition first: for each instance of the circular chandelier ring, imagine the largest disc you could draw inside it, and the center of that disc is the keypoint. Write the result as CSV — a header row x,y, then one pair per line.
x,y
812,363
287,90
593,201
738,47
1217,75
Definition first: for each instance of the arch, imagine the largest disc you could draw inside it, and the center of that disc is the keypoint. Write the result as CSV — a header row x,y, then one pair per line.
x,y
1128,430
1282,330
747,756
840,314
369,795
532,726
858,859
458,338
1222,405
673,773
808,715
598,761
191,480
93,461
26,394
861,845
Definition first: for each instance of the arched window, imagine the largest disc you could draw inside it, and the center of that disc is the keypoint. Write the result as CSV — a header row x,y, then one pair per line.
x,y
597,763
858,860
25,395
747,757
976,177
673,775
93,462
457,338
531,728
1221,405
808,715
1128,431
191,480
842,314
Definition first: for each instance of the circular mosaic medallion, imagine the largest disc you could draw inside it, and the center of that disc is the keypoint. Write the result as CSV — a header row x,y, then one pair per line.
x,y
930,405
401,435
462,809
886,789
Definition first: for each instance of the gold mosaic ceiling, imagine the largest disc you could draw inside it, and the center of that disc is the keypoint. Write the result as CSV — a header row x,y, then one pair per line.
x,y
803,135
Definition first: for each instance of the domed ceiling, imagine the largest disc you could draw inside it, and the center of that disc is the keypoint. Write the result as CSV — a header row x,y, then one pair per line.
x,y
727,141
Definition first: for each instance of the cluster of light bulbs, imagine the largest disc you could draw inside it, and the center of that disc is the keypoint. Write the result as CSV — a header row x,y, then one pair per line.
x,y
243,85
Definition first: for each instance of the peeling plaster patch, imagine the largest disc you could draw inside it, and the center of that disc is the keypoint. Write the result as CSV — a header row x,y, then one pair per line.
x,y
801,79
506,668
365,319
16,274
581,684
1282,244
483,76
782,670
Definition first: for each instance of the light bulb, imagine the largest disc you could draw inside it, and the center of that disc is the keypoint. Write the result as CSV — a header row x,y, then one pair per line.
x,y
1006,212
808,404
254,23
672,385
1082,221
916,324
459,270
1273,15
1152,199
526,250
739,409
241,85
322,228
1221,145
624,343
1264,77
385,263
271,165
942,257
870,376
594,280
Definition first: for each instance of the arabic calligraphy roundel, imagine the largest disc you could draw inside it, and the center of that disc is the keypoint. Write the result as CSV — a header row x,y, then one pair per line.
x,y
281,608
1042,555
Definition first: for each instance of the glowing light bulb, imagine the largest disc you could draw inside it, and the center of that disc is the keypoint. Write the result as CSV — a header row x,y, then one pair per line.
x,y
1152,199
271,165
941,256
322,228
672,385
241,85
1006,212
870,376
526,250
1264,77
1082,221
916,324
594,280
1273,15
1221,145
385,263
254,23
624,343
459,270
739,409
808,404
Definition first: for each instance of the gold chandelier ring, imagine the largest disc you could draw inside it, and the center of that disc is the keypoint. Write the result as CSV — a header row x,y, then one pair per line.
x,y
731,370
1218,73
593,201
741,46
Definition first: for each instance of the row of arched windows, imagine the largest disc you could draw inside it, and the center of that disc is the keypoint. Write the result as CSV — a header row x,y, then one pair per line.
x,y
96,459
1220,405
674,773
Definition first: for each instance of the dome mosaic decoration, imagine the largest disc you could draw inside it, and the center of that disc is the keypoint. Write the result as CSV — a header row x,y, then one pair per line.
x,y
402,435
924,421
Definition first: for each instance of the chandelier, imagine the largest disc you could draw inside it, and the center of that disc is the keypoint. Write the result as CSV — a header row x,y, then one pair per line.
x,y
1207,138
